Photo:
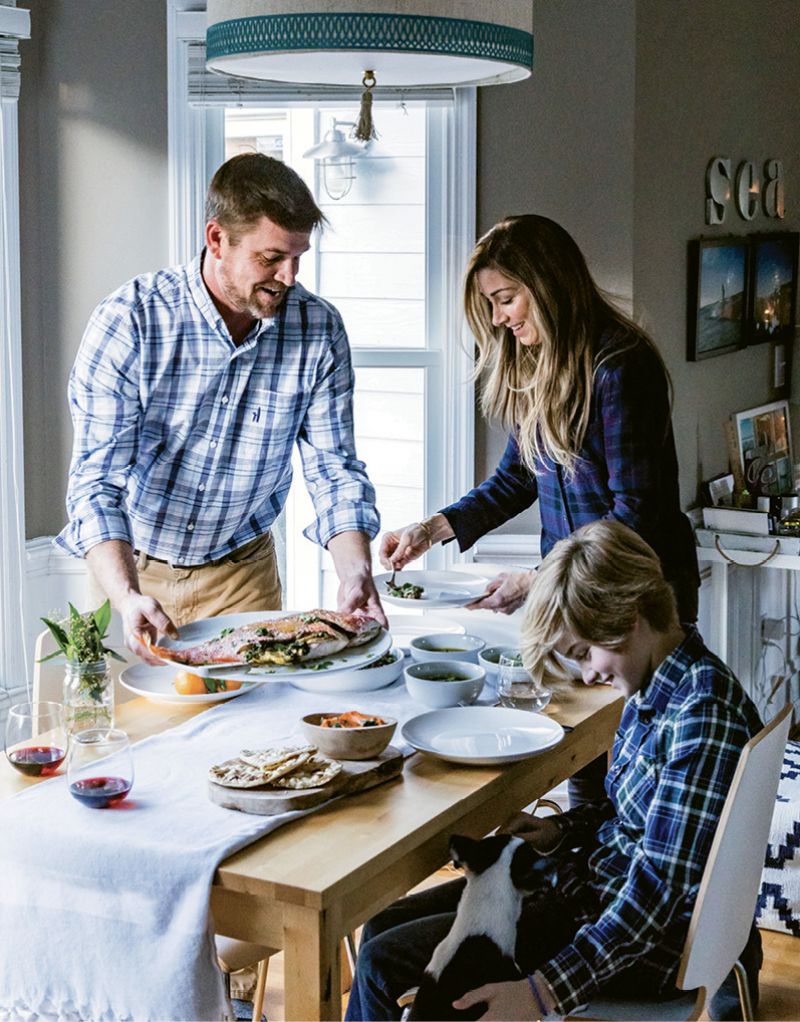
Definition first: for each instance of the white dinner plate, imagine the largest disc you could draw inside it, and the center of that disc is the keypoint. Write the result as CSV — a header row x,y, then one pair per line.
x,y
210,628
482,735
155,683
440,588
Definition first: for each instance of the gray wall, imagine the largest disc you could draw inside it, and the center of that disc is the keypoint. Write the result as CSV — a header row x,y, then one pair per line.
x,y
610,136
684,81
93,207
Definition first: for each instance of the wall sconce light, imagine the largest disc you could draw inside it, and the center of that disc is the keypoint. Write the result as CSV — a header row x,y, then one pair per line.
x,y
337,158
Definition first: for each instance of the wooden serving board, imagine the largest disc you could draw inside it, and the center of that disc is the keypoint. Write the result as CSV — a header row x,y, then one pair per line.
x,y
355,775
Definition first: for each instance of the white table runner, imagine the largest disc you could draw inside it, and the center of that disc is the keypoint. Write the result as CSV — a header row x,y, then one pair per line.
x,y
104,914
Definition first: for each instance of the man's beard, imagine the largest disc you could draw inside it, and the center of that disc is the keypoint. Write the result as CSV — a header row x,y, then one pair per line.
x,y
259,304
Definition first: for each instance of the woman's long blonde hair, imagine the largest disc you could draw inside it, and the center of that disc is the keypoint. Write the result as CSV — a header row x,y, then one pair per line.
x,y
544,390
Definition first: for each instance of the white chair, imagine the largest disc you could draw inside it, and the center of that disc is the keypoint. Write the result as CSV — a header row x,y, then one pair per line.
x,y
725,906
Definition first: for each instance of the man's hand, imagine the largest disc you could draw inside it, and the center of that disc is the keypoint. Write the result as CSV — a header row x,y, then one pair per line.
x,y
404,545
506,593
358,594
539,831
143,618
353,563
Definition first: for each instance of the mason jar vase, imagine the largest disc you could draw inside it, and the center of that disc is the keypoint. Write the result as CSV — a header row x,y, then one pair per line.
x,y
88,696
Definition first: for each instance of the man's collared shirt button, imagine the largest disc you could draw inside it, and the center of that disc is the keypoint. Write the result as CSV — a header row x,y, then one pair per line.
x,y
225,399
190,527
213,443
201,487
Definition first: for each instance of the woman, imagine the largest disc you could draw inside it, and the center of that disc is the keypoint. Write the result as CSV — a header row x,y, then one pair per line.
x,y
585,396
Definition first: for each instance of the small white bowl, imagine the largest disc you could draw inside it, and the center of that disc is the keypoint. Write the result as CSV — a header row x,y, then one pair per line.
x,y
489,658
442,683
386,673
446,646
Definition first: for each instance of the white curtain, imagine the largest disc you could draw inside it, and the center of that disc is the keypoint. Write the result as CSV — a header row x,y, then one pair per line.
x,y
14,24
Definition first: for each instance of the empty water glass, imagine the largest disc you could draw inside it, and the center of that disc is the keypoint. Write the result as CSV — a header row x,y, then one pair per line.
x,y
516,686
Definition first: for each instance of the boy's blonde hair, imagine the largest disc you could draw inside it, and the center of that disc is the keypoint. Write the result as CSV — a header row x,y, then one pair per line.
x,y
592,585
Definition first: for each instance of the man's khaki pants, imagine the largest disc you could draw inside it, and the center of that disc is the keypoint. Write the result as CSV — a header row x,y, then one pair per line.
x,y
246,579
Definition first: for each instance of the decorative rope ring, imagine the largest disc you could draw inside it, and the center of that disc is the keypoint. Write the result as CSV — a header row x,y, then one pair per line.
x,y
369,80
741,564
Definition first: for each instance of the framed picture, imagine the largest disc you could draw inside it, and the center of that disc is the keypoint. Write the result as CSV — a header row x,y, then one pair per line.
x,y
773,287
765,448
717,296
720,490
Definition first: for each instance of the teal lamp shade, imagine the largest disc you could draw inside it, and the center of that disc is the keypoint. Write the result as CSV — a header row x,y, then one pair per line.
x,y
402,43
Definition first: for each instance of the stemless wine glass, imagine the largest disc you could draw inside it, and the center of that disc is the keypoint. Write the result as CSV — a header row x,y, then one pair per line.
x,y
516,686
100,767
36,738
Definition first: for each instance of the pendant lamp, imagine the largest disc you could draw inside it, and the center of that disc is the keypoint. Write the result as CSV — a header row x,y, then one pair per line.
x,y
398,43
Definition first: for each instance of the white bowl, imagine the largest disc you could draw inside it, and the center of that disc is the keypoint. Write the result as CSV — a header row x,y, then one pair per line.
x,y
386,673
489,658
441,683
446,646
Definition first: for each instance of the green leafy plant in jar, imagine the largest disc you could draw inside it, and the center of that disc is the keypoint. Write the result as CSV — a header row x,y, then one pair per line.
x,y
88,686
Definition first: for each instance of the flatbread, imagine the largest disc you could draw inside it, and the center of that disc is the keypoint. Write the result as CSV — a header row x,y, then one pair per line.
x,y
315,772
274,763
236,774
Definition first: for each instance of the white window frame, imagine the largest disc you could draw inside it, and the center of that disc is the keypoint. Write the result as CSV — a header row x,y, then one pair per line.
x,y
14,25
196,150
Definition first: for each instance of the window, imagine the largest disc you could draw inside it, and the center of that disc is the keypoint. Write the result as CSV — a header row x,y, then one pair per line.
x,y
390,261
14,25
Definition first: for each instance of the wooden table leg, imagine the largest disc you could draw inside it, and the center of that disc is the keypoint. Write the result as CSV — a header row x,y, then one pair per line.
x,y
312,967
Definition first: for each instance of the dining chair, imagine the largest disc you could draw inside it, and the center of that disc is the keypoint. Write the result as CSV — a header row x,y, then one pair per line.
x,y
725,906
48,677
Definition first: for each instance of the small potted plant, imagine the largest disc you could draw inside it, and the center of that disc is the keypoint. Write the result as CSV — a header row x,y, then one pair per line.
x,y
88,685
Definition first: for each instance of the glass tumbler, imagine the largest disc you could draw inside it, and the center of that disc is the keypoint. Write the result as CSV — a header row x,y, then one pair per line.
x,y
516,686
100,767
36,738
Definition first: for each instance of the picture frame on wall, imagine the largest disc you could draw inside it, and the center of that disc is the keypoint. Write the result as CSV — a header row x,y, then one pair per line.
x,y
773,287
765,448
717,296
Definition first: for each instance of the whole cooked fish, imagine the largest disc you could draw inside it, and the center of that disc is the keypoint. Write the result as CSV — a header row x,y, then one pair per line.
x,y
286,640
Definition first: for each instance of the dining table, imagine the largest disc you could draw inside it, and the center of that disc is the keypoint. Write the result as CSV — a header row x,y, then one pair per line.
x,y
303,887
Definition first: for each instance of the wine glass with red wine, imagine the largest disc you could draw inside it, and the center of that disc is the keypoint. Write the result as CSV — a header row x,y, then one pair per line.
x,y
36,738
100,767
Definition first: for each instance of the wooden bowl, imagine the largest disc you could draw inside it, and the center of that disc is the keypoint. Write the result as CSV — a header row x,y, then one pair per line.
x,y
347,742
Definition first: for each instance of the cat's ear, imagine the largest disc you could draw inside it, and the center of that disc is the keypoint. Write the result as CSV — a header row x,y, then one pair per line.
x,y
524,875
463,850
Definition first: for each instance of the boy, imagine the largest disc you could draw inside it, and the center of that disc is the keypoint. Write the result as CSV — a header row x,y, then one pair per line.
x,y
619,876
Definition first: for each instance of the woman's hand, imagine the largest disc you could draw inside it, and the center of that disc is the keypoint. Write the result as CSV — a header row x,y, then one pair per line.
x,y
505,1001
541,832
404,545
506,593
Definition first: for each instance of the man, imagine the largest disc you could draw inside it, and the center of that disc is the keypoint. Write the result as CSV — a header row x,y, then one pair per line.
x,y
619,876
189,391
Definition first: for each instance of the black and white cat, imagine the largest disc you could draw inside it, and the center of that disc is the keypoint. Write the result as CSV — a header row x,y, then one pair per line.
x,y
480,946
